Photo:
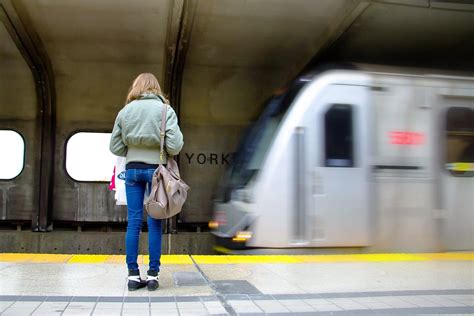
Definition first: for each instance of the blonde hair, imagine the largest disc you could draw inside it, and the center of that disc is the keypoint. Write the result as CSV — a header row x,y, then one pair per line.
x,y
144,83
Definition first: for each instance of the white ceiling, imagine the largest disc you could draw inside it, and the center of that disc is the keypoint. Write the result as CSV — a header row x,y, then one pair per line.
x,y
106,30
234,42
387,33
17,88
261,33
8,49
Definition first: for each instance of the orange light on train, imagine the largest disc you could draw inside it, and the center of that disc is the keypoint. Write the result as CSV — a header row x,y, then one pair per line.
x,y
242,236
213,224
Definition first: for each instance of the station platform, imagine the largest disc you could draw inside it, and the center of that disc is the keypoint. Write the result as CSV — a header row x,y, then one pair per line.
x,y
366,284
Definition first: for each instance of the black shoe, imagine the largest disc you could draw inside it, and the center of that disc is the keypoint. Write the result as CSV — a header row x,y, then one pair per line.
x,y
134,281
152,280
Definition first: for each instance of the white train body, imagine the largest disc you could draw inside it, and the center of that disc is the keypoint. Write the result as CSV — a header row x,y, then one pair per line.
x,y
357,159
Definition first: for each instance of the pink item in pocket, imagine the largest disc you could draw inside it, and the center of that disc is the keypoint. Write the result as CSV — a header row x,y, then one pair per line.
x,y
112,181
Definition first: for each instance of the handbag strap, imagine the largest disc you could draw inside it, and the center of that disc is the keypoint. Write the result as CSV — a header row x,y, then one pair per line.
x,y
163,130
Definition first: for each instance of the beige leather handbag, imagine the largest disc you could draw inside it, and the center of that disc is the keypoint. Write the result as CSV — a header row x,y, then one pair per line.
x,y
168,191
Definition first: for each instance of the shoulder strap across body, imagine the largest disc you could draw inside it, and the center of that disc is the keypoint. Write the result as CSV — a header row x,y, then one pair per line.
x,y
163,130
168,191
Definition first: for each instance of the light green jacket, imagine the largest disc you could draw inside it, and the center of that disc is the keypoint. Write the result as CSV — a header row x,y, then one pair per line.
x,y
136,133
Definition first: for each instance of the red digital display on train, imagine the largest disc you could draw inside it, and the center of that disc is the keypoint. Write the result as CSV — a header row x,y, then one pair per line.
x,y
406,138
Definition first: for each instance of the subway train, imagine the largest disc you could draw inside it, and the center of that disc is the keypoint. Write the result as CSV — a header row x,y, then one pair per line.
x,y
371,159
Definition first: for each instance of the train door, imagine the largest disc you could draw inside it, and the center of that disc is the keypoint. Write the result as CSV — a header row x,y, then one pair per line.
x,y
457,174
338,160
402,159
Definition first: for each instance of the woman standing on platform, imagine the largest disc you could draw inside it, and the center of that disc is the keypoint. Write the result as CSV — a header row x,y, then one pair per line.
x,y
136,136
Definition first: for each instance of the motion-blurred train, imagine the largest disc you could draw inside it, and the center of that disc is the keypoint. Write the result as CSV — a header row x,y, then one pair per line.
x,y
348,158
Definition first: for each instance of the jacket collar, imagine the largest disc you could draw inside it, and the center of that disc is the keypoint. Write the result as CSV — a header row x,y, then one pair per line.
x,y
149,96
152,96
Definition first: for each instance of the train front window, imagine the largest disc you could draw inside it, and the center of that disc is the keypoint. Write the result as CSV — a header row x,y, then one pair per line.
x,y
256,141
88,157
460,141
13,154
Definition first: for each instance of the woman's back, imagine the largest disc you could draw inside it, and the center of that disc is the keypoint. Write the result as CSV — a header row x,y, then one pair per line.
x,y
137,135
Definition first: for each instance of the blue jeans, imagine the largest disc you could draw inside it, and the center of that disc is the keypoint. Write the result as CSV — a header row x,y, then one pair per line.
x,y
135,184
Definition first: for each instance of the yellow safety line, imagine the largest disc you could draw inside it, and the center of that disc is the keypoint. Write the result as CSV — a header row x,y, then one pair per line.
x,y
237,259
50,258
176,259
389,257
16,257
456,256
170,259
88,259
115,259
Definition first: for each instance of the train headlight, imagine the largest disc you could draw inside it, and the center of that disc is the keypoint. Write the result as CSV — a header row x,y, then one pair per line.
x,y
242,236
213,224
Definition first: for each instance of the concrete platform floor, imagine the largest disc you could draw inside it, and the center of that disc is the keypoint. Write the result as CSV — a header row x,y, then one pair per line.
x,y
32,284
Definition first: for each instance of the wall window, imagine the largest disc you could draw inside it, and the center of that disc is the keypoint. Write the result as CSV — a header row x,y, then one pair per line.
x,y
88,157
460,141
12,158
339,143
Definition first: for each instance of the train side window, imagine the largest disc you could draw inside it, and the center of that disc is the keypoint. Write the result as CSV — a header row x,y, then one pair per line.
x,y
88,158
12,159
339,142
460,141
